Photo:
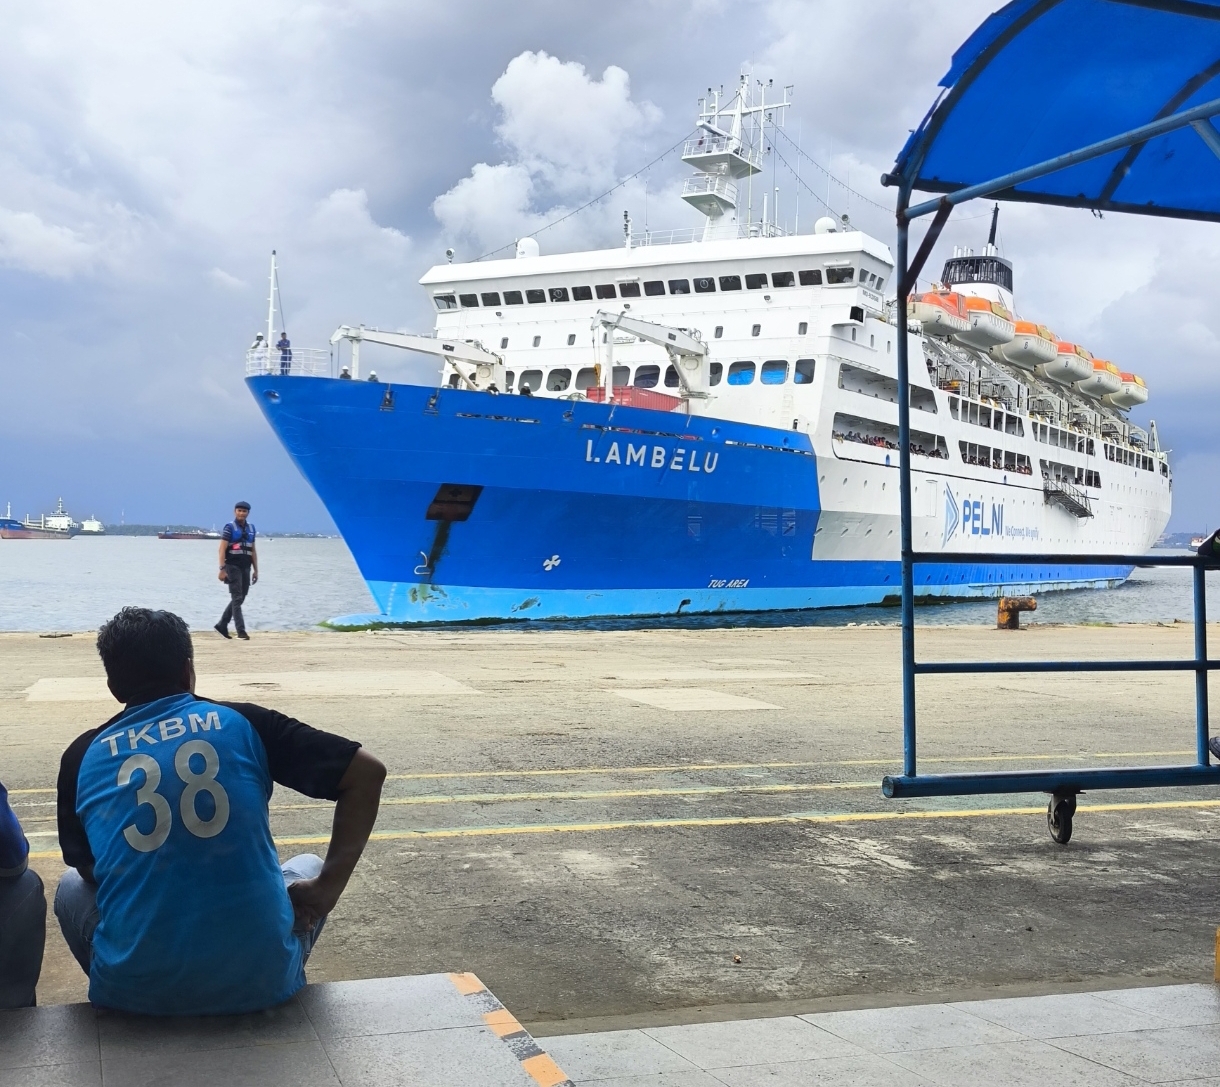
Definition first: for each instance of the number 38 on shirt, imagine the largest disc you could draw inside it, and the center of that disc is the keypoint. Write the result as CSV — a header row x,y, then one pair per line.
x,y
186,759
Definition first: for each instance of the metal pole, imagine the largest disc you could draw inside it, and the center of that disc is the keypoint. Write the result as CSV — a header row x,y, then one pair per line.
x,y
904,492
1201,716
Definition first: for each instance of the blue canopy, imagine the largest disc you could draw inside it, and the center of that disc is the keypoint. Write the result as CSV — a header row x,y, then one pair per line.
x,y
1042,78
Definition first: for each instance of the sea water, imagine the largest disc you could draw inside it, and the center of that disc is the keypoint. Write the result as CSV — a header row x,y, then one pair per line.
x,y
77,584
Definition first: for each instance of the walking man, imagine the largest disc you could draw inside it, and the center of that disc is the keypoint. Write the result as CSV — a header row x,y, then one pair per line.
x,y
285,349
238,567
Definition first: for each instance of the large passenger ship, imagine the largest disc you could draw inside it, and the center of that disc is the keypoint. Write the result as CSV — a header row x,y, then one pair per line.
x,y
712,425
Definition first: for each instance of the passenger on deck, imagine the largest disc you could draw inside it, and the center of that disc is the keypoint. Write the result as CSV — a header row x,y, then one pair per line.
x,y
174,901
23,914
284,346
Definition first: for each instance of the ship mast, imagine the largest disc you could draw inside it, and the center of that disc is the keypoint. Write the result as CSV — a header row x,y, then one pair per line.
x,y
271,304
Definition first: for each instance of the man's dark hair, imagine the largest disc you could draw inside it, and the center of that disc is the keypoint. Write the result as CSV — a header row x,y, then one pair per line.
x,y
142,650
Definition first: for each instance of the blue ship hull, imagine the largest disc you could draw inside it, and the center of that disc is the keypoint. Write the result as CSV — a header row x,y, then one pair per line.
x,y
572,509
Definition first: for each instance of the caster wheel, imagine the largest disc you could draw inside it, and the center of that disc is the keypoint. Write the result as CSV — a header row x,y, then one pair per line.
x,y
1059,814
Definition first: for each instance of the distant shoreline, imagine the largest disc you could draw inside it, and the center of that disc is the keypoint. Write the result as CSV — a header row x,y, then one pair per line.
x,y
152,530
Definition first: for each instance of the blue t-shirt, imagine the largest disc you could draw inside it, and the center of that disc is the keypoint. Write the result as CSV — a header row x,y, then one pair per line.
x,y
14,849
171,797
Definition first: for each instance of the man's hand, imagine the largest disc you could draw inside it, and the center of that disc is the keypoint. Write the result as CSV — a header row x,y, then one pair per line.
x,y
253,577
222,576
355,814
312,899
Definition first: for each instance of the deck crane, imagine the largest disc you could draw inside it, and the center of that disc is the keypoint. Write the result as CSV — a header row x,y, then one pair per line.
x,y
466,360
685,348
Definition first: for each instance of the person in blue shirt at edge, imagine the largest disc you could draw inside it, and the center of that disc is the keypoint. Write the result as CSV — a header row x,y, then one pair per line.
x,y
23,914
175,901
238,567
284,345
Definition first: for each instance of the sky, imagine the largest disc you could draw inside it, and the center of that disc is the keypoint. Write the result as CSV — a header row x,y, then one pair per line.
x,y
152,156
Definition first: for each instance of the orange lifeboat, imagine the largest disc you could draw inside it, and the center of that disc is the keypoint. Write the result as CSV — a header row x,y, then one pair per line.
x,y
1031,345
940,312
1105,380
1133,393
990,324
1071,363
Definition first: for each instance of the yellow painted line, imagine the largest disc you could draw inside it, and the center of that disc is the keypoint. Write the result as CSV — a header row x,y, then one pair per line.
x,y
732,821
603,794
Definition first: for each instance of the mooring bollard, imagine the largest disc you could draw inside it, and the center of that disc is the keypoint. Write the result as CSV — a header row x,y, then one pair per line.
x,y
1008,614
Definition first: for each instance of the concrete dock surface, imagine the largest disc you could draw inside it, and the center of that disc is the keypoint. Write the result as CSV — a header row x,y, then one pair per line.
x,y
638,829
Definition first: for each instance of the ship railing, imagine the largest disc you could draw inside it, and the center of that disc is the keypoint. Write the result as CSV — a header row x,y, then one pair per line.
x,y
719,145
298,362
677,236
710,185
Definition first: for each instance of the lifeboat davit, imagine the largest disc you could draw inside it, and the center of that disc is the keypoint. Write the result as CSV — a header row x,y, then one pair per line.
x,y
1032,345
1133,392
990,324
940,312
1105,380
1071,363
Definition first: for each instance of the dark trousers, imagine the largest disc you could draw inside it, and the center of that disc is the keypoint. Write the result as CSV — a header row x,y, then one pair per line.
x,y
23,930
238,578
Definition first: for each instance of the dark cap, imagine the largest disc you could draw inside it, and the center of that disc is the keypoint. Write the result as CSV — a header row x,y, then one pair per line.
x,y
241,505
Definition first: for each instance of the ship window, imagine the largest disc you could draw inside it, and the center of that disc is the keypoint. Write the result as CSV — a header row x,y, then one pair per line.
x,y
490,298
629,290
730,283
512,298
508,380
811,277
679,286
571,338
621,376
756,280
605,290
654,287
802,328
756,330
803,373
586,378
558,380
646,377
469,301
503,342
537,341
531,379
671,376
1090,451
445,301
535,296
705,285
953,406
582,294
717,332
782,279
774,372
559,294
741,373
715,373
840,275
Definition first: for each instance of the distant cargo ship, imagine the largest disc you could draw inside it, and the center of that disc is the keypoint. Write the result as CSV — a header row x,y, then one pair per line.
x,y
53,526
188,534
91,526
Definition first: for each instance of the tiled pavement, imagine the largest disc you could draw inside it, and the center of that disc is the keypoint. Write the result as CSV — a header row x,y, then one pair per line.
x,y
1164,1035
438,1029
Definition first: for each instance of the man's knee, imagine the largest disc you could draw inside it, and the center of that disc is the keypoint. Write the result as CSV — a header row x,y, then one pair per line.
x,y
23,902
23,935
76,902
302,866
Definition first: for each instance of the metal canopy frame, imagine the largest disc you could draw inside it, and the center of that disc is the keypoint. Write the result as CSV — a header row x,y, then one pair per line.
x,y
1063,784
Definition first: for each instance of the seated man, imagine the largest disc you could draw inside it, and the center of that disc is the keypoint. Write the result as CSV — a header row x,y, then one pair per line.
x,y
23,914
175,902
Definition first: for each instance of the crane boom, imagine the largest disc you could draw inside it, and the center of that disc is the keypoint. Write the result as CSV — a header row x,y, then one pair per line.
x,y
473,365
686,351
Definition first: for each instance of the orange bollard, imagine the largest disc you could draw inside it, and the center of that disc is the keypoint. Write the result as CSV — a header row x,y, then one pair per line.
x,y
1008,614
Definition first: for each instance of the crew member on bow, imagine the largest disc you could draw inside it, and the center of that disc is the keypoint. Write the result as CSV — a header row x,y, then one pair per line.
x,y
238,567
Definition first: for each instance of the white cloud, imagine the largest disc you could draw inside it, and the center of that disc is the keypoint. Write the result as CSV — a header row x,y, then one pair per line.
x,y
30,245
566,134
343,224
